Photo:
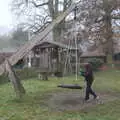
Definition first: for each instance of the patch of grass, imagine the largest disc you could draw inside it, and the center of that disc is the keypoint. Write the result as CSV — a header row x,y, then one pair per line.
x,y
108,81
30,106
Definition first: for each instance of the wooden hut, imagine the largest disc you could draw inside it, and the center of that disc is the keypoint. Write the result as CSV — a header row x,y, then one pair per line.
x,y
97,53
50,56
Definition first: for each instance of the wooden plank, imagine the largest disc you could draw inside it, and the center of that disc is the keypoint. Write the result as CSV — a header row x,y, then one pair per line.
x,y
28,46
46,46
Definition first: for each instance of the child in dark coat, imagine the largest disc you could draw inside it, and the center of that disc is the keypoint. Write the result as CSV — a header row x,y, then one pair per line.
x,y
88,74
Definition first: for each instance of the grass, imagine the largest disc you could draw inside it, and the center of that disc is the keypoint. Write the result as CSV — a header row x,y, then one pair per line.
x,y
30,107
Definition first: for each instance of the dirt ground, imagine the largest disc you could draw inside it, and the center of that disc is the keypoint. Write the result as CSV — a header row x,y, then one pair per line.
x,y
73,100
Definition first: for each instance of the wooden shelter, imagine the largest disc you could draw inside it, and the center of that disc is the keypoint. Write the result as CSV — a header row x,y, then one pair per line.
x,y
50,56
97,53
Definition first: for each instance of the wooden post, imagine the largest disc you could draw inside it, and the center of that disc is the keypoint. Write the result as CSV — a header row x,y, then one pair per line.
x,y
57,59
19,89
44,76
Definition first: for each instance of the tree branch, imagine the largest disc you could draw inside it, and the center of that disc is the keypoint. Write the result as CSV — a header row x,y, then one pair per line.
x,y
115,17
39,5
42,27
116,23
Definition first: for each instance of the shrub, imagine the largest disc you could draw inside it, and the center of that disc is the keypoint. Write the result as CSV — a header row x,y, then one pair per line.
x,y
4,79
96,63
25,73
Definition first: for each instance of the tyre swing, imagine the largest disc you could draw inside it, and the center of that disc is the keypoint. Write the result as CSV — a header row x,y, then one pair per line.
x,y
68,60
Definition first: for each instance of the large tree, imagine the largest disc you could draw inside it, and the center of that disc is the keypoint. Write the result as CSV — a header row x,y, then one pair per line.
x,y
109,7
97,16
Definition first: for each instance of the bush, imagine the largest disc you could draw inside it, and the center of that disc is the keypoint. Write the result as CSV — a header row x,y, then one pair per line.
x,y
96,63
4,79
22,74
26,73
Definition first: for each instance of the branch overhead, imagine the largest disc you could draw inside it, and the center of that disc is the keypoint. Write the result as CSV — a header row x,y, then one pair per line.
x,y
39,5
116,17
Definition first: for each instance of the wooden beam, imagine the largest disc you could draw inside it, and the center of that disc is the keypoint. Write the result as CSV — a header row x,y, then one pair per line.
x,y
19,89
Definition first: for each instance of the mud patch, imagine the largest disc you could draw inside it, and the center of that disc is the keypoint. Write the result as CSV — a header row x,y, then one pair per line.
x,y
74,100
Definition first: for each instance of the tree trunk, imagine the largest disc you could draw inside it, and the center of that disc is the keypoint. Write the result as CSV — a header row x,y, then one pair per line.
x,y
108,37
57,31
108,8
19,89
54,12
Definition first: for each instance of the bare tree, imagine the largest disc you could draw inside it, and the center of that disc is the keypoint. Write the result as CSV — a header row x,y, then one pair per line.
x,y
39,13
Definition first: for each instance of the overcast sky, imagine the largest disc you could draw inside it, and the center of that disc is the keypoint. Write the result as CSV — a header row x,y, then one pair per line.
x,y
5,16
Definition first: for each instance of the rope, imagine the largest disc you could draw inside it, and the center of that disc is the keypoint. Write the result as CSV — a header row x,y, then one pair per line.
x,y
68,57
